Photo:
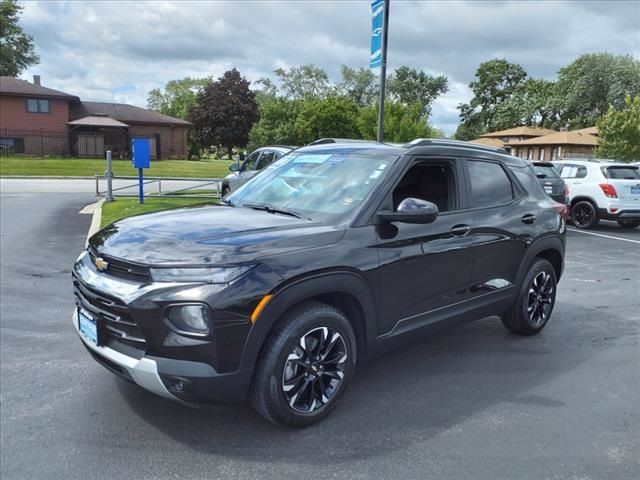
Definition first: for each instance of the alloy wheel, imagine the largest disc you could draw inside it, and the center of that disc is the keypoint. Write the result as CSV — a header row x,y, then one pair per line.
x,y
540,299
314,369
583,214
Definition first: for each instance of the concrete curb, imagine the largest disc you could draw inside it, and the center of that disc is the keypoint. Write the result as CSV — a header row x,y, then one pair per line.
x,y
96,219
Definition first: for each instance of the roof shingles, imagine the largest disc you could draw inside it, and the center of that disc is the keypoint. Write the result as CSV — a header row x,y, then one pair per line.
x,y
22,88
128,114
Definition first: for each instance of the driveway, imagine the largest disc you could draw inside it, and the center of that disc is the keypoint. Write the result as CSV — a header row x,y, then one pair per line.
x,y
475,402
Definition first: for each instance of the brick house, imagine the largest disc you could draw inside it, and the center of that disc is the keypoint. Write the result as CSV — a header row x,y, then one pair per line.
x,y
543,144
505,138
36,120
557,146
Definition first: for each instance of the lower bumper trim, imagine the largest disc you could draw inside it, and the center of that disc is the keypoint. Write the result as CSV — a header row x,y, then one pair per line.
x,y
143,372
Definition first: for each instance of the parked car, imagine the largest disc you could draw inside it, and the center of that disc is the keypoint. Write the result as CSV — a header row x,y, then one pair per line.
x,y
550,180
257,160
602,190
329,257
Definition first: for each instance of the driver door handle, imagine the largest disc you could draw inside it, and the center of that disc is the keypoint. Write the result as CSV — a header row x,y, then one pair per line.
x,y
460,230
528,218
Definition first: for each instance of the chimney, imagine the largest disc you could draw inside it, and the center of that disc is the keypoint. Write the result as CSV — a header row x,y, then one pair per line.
x,y
36,80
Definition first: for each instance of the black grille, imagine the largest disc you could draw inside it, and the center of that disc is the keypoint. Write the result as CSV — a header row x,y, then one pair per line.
x,y
122,269
114,320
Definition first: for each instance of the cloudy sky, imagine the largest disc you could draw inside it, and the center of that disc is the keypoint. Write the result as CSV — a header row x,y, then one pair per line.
x,y
118,51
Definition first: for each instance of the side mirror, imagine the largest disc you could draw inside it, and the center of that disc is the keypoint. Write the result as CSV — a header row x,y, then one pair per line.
x,y
234,167
411,210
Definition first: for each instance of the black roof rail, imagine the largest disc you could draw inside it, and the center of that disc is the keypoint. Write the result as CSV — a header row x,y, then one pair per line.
x,y
324,141
423,142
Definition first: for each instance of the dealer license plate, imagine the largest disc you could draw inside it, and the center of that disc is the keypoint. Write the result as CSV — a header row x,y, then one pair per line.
x,y
88,327
548,189
635,190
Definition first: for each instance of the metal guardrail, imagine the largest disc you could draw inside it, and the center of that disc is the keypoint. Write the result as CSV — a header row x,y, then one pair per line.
x,y
213,190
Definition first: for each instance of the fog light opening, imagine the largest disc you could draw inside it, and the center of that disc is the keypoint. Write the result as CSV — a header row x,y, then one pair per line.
x,y
189,319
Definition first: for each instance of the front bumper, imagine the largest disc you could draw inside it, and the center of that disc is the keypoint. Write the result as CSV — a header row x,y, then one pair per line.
x,y
184,381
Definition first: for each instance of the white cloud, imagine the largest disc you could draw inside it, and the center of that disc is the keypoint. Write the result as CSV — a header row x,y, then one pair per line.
x,y
112,50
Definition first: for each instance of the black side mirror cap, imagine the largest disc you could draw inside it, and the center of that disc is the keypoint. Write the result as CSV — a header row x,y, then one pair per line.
x,y
411,210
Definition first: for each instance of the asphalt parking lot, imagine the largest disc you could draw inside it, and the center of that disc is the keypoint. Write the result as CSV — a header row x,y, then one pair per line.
x,y
475,402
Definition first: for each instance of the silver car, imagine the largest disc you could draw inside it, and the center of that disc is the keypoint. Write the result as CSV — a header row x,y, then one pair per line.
x,y
256,161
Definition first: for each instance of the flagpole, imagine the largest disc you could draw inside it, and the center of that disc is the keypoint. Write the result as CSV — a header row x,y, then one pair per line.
x,y
383,69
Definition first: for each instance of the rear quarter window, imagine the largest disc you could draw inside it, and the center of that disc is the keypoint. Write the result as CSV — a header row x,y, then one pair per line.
x,y
622,173
527,178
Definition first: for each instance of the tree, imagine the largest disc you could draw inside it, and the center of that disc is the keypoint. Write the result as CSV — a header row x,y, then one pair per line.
x,y
178,96
402,123
327,117
277,123
361,85
593,82
17,52
305,81
497,81
224,112
619,132
408,86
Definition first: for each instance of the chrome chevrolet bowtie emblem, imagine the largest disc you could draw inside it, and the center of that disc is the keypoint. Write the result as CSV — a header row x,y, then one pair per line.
x,y
100,264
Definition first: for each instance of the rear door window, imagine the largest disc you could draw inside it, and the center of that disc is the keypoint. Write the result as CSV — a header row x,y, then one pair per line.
x,y
622,173
490,184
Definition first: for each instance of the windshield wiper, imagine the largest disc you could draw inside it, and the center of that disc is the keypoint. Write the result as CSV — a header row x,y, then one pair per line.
x,y
268,208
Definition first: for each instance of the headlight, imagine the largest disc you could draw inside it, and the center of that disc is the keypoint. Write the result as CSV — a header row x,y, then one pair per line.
x,y
198,275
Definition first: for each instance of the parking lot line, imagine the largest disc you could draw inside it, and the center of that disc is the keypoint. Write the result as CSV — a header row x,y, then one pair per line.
x,y
602,235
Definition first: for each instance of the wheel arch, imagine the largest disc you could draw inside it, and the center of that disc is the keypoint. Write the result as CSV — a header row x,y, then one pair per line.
x,y
549,248
581,198
344,290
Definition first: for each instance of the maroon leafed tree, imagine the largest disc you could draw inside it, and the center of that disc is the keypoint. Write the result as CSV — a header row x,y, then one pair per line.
x,y
224,112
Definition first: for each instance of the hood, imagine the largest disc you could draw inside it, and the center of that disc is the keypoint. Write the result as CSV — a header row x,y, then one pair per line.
x,y
217,235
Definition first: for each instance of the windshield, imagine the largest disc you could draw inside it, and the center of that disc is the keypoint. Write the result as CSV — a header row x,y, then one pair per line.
x,y
315,185
622,173
545,171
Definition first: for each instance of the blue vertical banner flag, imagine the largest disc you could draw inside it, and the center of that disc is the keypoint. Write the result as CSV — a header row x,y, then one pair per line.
x,y
377,16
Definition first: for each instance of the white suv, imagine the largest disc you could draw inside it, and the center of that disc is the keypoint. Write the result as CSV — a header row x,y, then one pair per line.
x,y
602,190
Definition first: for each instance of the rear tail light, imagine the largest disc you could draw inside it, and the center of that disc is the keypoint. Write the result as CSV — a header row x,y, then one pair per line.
x,y
609,190
561,209
565,191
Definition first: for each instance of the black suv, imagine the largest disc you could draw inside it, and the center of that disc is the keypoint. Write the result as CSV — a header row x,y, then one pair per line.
x,y
331,255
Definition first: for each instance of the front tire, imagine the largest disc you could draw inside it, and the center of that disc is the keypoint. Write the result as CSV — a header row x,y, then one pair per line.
x,y
629,223
536,299
584,215
306,366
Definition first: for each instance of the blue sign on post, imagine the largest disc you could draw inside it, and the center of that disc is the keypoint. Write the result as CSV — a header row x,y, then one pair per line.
x,y
377,16
141,153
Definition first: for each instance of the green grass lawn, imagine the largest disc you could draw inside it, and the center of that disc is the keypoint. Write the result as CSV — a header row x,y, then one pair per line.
x,y
70,167
127,207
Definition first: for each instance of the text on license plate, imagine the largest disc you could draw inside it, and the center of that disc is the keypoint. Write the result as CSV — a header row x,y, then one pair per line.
x,y
635,190
87,326
548,189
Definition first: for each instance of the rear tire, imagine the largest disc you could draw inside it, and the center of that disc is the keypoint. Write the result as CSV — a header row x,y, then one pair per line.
x,y
536,299
305,367
629,223
584,214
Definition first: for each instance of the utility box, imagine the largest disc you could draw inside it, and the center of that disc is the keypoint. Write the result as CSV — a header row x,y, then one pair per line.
x,y
141,152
